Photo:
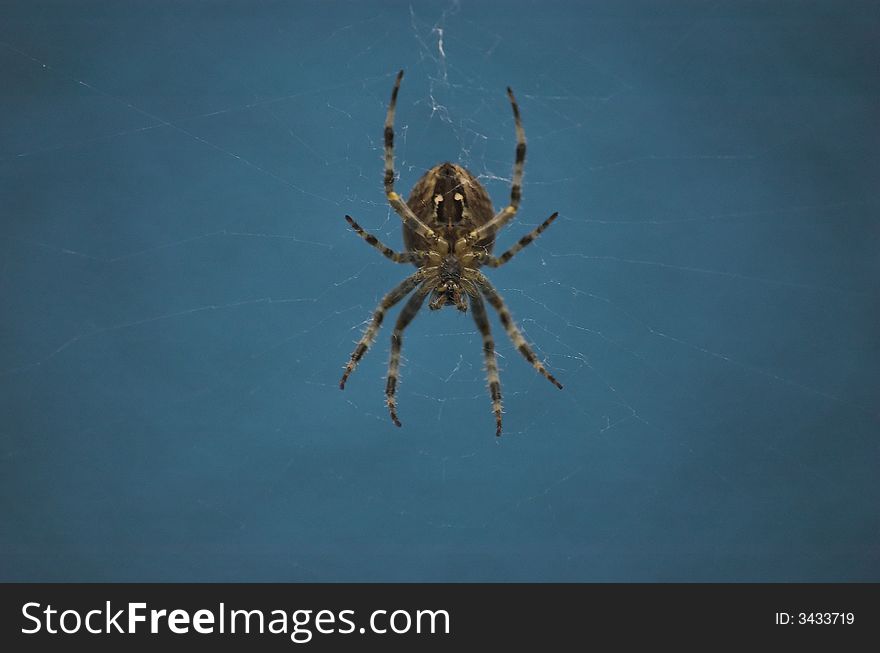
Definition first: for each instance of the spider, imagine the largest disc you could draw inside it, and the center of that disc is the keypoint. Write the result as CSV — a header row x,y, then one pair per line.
x,y
449,229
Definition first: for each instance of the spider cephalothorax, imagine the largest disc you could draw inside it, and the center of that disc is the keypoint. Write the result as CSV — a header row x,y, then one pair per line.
x,y
449,229
450,283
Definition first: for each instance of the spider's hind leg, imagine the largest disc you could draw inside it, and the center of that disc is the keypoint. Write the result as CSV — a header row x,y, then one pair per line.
x,y
506,214
400,207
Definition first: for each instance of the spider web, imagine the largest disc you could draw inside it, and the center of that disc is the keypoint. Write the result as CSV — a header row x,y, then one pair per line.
x,y
180,293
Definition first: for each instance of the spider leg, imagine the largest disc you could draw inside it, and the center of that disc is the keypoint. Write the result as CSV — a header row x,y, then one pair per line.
x,y
387,302
478,309
410,309
513,331
506,214
397,257
496,261
400,207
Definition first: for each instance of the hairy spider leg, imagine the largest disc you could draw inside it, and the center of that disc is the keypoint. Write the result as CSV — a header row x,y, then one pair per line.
x,y
497,261
478,308
397,257
369,335
506,214
410,310
400,207
513,332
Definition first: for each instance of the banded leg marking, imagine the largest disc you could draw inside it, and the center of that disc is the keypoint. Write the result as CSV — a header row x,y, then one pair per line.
x,y
482,320
369,335
513,331
496,261
506,214
397,257
406,316
400,207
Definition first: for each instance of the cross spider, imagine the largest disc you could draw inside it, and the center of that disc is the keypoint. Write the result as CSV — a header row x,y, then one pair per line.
x,y
449,229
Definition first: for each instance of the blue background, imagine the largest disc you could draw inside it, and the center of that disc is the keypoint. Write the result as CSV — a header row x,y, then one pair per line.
x,y
179,292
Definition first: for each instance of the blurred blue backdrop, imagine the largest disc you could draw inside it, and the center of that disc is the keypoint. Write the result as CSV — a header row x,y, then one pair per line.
x,y
179,293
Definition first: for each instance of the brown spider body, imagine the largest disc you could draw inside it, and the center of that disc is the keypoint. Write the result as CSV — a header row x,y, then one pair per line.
x,y
450,201
449,229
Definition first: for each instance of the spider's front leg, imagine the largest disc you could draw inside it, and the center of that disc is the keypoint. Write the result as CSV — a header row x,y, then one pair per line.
x,y
387,302
406,316
482,321
513,331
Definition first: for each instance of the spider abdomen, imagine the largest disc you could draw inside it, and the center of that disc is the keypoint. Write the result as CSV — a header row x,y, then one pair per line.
x,y
449,200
